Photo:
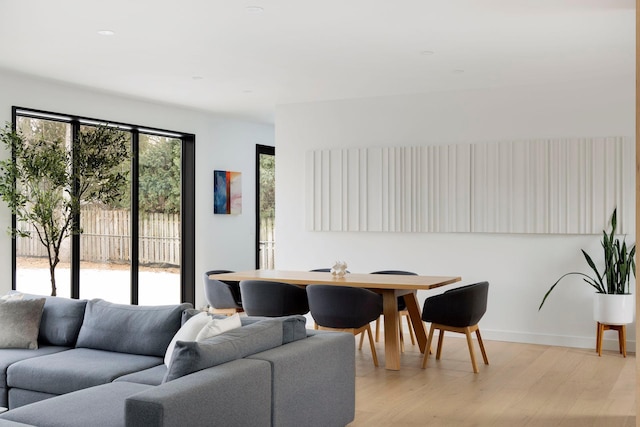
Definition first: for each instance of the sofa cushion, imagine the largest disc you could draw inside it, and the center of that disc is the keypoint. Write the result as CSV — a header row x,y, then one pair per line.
x,y
10,356
293,327
20,320
191,356
101,406
145,330
61,319
151,376
75,369
19,397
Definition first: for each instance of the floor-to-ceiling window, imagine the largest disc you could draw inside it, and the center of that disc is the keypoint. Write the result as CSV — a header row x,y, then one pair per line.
x,y
105,242
159,219
265,206
32,273
139,249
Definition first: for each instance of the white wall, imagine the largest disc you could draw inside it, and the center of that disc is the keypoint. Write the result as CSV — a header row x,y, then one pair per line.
x,y
520,268
222,241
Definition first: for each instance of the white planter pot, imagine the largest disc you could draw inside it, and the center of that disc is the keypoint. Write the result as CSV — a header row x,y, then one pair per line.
x,y
614,309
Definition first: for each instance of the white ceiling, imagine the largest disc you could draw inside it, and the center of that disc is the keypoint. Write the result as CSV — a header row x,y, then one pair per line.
x,y
215,55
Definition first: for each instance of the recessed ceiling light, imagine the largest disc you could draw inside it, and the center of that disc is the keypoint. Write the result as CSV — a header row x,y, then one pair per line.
x,y
254,9
247,91
106,32
197,77
457,71
427,52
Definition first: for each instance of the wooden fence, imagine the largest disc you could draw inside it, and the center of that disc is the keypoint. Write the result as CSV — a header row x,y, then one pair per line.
x,y
106,238
267,244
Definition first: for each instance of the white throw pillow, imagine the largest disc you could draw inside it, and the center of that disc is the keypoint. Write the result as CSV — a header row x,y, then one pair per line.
x,y
188,332
217,326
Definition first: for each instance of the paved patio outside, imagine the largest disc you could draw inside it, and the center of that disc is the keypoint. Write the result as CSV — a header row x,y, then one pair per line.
x,y
111,282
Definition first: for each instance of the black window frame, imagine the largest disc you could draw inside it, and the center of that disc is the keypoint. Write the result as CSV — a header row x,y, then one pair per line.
x,y
187,209
270,151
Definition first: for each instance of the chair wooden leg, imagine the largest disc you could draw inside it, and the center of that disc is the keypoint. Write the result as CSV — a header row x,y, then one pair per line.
x,y
411,334
361,340
620,340
599,334
428,348
401,335
373,347
484,353
471,353
440,339
378,329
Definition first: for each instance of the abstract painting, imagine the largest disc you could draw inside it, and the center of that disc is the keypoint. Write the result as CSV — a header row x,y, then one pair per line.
x,y
227,192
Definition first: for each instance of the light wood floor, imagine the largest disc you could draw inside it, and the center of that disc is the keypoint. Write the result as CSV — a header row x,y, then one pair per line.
x,y
524,385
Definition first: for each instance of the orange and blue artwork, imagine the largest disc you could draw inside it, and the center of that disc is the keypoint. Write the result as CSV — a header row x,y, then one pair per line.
x,y
227,192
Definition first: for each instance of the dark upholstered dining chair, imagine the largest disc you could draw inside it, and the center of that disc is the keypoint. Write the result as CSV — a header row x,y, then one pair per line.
x,y
458,310
346,309
402,310
272,299
223,296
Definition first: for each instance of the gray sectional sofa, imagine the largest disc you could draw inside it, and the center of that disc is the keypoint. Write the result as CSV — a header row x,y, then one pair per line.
x,y
102,364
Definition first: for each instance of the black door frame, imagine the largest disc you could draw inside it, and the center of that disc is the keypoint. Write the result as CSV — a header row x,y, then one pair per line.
x,y
271,151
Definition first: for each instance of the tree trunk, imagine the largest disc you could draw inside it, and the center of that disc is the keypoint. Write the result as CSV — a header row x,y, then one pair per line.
x,y
52,271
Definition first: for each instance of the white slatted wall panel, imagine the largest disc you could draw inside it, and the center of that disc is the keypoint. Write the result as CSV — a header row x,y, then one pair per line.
x,y
565,186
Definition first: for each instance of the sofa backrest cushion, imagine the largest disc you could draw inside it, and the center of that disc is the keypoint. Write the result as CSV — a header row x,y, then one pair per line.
x,y
61,319
145,330
192,356
293,327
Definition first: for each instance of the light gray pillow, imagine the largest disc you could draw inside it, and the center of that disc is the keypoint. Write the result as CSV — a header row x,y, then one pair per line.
x,y
192,356
20,322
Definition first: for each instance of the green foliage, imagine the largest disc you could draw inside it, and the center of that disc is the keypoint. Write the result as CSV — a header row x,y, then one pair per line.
x,y
159,165
44,185
619,263
267,186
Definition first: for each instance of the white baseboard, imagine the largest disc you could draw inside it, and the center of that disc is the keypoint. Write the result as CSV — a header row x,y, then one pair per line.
x,y
610,341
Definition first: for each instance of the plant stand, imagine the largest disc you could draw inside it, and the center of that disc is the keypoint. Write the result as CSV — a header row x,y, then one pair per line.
x,y
622,337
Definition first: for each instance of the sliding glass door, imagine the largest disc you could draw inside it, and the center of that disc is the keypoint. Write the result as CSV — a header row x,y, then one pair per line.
x,y
139,249
265,207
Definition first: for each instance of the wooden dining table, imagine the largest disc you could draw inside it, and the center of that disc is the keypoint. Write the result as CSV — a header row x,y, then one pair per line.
x,y
390,286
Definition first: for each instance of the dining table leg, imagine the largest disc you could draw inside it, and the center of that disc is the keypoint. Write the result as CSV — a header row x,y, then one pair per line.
x,y
391,333
411,300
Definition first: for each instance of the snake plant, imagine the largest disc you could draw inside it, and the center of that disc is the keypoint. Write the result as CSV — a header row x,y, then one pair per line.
x,y
619,263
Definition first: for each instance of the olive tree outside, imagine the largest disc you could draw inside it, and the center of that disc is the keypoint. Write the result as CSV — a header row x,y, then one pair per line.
x,y
45,183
